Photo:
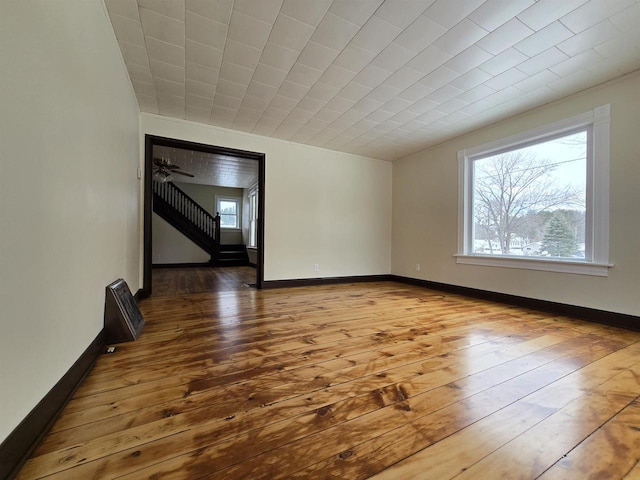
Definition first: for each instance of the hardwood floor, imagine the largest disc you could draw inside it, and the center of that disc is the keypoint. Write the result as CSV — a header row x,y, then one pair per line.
x,y
352,381
179,281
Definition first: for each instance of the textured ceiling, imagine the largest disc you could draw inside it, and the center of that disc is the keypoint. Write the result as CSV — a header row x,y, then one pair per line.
x,y
210,169
382,78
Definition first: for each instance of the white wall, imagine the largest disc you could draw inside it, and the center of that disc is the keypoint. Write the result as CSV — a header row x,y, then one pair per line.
x,y
171,246
69,210
425,210
322,207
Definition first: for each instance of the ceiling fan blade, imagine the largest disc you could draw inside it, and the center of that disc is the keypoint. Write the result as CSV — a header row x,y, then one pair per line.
x,y
172,167
182,173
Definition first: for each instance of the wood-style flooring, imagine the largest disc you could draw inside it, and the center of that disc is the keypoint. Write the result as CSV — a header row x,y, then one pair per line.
x,y
178,281
352,381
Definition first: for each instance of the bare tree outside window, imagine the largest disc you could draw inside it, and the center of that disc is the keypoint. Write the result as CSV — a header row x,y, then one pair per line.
x,y
519,195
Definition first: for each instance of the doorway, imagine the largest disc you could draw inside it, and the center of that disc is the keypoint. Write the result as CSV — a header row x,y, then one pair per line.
x,y
152,141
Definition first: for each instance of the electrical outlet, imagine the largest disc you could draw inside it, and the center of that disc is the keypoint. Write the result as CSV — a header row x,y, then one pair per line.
x,y
417,267
316,267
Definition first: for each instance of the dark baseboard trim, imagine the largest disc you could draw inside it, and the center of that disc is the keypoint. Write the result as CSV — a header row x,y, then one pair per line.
x,y
307,282
181,265
20,444
622,320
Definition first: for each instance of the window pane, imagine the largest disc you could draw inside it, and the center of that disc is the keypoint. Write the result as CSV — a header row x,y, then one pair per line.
x,y
228,207
227,221
531,200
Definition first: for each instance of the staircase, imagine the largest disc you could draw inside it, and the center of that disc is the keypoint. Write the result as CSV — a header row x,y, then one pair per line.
x,y
185,215
232,256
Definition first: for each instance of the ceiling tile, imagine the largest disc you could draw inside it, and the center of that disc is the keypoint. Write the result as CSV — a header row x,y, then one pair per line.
x,y
307,12
337,76
504,61
355,12
265,10
247,29
468,59
168,8
169,87
203,54
439,77
471,79
290,32
303,75
475,94
375,35
430,59
167,71
127,30
218,10
393,57
505,79
544,39
402,13
420,34
166,52
536,81
593,12
585,59
269,75
134,54
293,90
231,89
544,12
205,31
627,19
494,13
403,78
334,32
200,73
322,91
415,92
236,73
372,76
242,54
449,13
589,38
354,58
460,37
278,56
317,56
505,36
161,27
542,61
354,91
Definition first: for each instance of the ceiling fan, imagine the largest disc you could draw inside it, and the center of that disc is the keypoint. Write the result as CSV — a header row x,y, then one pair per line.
x,y
164,170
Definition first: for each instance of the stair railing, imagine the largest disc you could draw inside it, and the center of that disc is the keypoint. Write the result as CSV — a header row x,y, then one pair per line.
x,y
190,210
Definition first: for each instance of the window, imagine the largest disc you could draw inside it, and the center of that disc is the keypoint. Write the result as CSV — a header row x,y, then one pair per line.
x,y
229,210
253,218
539,200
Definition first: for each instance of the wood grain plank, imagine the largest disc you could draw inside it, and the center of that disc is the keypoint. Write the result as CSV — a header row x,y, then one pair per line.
x,y
346,381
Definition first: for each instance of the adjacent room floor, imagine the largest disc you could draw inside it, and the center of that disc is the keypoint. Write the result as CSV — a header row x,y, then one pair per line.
x,y
178,281
352,381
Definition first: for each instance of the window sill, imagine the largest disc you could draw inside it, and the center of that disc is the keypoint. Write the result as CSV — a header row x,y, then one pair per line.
x,y
528,263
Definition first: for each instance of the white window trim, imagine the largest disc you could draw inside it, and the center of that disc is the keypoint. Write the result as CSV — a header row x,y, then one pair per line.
x,y
597,221
238,200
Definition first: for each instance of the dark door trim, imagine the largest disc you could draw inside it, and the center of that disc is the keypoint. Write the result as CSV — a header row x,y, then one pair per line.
x,y
149,142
